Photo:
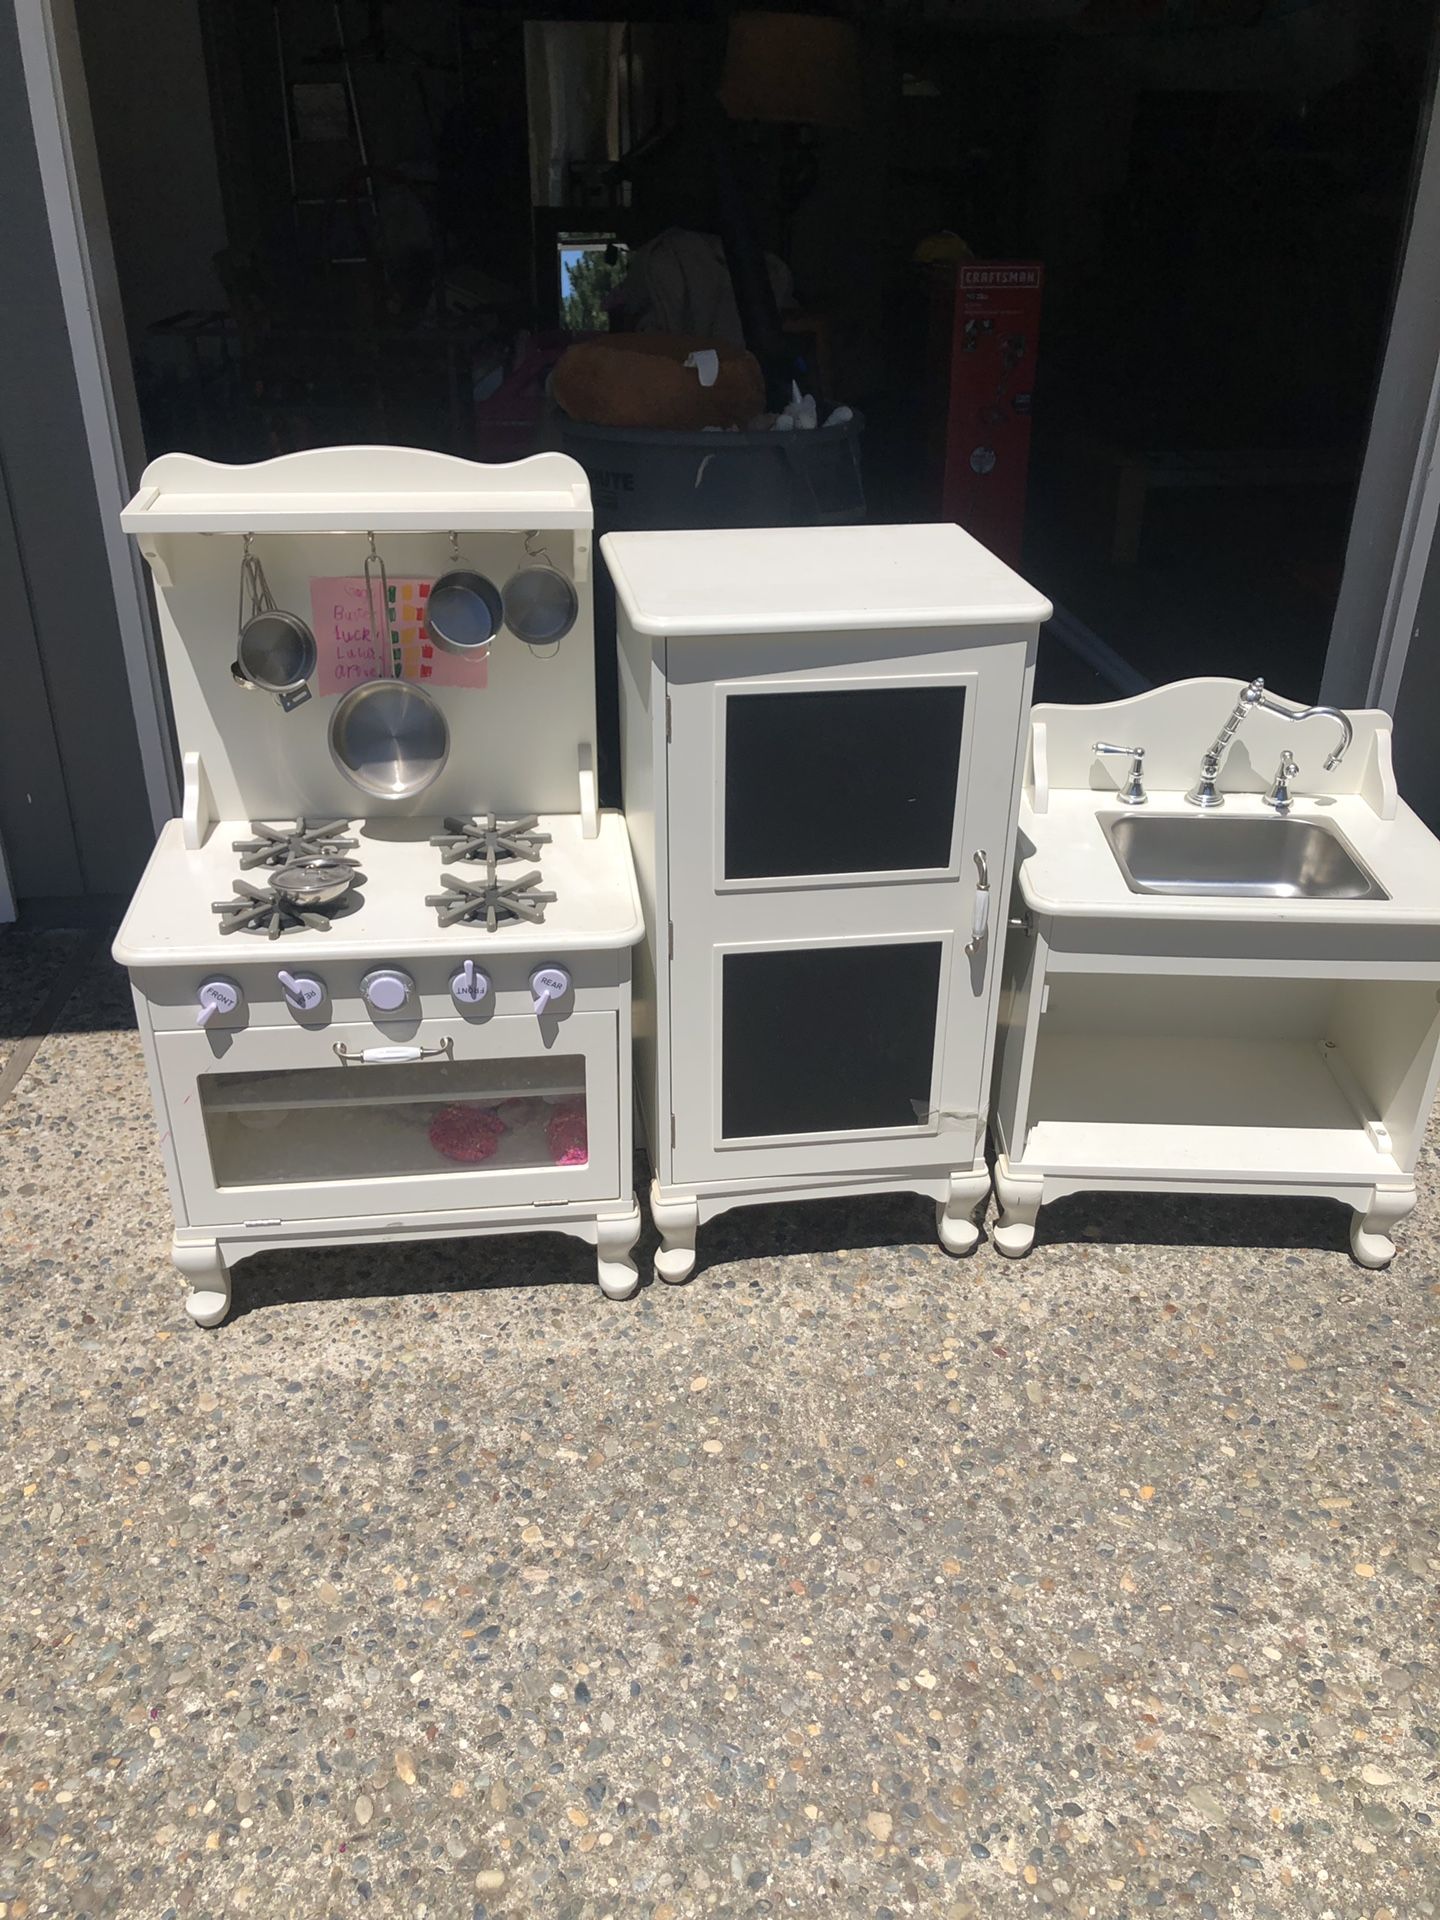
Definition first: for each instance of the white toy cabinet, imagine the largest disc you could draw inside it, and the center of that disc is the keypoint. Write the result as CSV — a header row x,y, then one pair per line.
x,y
820,736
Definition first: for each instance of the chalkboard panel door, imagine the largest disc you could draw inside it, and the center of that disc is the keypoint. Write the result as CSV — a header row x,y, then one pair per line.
x,y
824,820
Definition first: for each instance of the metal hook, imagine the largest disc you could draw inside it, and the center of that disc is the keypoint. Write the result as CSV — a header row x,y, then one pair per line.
x,y
253,584
454,551
537,553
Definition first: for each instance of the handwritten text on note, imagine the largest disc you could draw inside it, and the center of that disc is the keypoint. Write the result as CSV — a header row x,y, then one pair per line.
x,y
349,652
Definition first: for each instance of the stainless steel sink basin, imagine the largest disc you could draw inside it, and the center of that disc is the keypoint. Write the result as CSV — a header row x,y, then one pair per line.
x,y
1238,858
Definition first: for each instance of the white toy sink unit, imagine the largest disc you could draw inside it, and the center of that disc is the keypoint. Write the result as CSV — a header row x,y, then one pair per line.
x,y
1223,968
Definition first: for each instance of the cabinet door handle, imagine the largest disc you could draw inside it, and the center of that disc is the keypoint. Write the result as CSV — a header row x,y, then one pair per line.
x,y
980,915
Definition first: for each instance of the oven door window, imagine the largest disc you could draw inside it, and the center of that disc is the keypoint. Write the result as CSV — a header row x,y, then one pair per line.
x,y
820,1040
300,1126
845,780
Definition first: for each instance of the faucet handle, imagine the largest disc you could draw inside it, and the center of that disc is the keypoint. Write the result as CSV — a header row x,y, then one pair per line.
x,y
1133,793
1279,795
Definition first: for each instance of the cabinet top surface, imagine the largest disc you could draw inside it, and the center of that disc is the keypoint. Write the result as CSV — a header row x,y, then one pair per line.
x,y
800,579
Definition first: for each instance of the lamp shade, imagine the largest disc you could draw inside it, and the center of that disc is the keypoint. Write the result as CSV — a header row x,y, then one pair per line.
x,y
794,69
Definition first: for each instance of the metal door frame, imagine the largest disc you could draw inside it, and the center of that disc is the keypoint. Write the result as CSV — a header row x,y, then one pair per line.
x,y
1397,501
85,266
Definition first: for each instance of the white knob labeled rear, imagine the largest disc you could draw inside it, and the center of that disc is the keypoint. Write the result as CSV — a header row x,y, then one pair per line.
x,y
547,984
303,992
216,995
387,990
469,986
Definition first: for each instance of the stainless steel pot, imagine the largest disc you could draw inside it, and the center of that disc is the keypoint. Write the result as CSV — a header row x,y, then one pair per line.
x,y
463,611
388,737
275,651
541,605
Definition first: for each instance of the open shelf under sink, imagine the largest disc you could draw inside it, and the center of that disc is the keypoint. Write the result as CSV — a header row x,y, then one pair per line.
x,y
1203,1105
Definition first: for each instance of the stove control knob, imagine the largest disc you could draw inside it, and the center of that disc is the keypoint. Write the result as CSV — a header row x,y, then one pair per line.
x,y
547,984
303,992
216,996
469,986
387,990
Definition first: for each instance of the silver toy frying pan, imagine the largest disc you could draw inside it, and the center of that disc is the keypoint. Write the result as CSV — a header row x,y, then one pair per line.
x,y
388,737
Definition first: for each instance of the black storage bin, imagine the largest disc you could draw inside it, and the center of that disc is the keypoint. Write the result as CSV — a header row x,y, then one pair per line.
x,y
644,479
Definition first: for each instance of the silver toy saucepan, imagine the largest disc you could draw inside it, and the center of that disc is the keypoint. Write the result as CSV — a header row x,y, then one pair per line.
x,y
463,611
541,604
275,651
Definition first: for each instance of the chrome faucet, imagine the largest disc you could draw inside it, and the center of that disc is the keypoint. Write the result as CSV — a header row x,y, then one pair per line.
x,y
1342,720
1205,793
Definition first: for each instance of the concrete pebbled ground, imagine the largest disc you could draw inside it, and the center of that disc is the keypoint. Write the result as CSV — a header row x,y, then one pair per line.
x,y
848,1579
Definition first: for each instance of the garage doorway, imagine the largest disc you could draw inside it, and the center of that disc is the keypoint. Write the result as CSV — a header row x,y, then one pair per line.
x,y
1218,191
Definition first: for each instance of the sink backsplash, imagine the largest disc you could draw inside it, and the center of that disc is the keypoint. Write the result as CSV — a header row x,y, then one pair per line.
x,y
1175,723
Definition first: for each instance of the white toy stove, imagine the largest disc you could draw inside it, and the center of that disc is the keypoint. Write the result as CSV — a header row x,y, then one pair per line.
x,y
381,1023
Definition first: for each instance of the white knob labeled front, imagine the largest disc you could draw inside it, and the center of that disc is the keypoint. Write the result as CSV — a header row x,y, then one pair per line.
x,y
387,990
547,984
303,992
216,996
469,986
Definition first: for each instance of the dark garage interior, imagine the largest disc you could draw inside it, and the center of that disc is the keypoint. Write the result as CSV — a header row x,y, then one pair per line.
x,y
365,222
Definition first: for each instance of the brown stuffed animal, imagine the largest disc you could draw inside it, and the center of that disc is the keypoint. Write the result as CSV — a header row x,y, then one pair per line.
x,y
641,380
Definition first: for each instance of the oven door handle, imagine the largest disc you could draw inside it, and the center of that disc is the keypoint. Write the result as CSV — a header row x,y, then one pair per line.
x,y
390,1056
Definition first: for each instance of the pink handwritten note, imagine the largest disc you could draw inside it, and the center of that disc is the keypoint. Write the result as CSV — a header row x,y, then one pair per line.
x,y
349,652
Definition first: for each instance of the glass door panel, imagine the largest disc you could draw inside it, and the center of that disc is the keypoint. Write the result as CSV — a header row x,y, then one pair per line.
x,y
365,1123
821,1040
844,780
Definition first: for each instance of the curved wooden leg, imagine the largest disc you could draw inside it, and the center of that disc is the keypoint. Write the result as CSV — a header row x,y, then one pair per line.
x,y
208,1300
1020,1200
614,1269
1370,1226
955,1219
677,1219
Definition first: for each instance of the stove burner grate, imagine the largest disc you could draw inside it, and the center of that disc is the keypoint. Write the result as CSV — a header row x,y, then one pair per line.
x,y
281,844
492,900
490,839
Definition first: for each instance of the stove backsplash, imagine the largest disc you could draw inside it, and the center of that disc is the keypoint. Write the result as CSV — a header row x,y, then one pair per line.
x,y
515,742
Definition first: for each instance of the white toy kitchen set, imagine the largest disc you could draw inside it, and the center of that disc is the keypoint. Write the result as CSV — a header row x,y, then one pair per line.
x,y
381,964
